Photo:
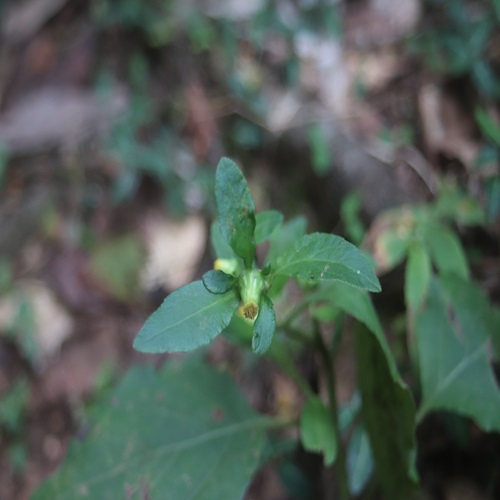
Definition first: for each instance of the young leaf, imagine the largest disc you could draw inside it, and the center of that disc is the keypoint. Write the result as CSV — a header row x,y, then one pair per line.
x,y
417,276
320,256
235,209
389,418
456,375
266,223
317,431
183,432
216,281
264,326
446,251
220,246
188,318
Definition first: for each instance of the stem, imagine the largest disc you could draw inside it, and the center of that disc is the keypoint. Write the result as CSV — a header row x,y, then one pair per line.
x,y
327,360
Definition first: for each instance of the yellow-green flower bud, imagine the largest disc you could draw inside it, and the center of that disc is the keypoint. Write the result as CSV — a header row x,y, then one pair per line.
x,y
229,266
251,286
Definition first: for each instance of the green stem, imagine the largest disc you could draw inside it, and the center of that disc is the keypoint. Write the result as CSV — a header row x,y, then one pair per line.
x,y
288,366
327,361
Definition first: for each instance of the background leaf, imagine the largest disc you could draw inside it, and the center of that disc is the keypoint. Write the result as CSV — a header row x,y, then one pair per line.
x,y
184,432
417,275
320,256
446,250
117,264
452,350
317,431
188,318
235,209
266,223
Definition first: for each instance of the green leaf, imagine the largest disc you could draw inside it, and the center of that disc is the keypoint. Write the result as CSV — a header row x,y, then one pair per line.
x,y
220,246
285,235
13,406
453,353
489,128
188,318
388,416
359,461
358,304
184,432
317,431
446,250
218,281
320,256
235,209
264,326
417,276
350,213
266,223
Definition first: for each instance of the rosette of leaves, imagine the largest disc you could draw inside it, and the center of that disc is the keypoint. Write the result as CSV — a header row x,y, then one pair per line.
x,y
195,314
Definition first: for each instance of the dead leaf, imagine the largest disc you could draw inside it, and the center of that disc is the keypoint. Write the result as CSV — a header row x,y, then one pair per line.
x,y
51,322
447,129
201,121
57,117
173,249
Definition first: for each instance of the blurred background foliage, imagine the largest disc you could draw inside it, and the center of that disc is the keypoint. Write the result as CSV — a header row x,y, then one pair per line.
x,y
377,119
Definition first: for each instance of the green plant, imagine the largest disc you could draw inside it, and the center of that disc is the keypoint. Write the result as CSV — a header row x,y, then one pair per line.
x,y
187,432
444,307
458,43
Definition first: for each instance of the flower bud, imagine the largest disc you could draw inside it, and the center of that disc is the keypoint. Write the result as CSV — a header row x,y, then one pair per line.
x,y
251,287
228,266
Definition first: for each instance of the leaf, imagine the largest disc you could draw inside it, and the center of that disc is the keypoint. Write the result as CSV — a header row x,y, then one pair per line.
x,y
235,209
285,235
358,304
317,431
387,404
452,349
446,251
359,461
188,318
388,416
266,223
320,256
417,276
216,281
184,432
264,326
220,246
